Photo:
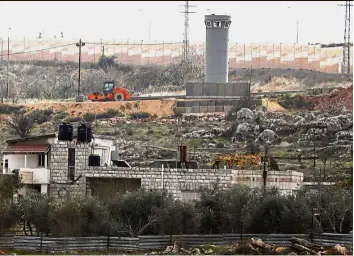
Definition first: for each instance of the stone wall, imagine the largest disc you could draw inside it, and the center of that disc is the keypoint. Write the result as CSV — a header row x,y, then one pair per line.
x,y
61,186
286,181
174,181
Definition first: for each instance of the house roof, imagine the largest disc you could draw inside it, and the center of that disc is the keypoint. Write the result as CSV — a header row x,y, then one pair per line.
x,y
45,136
25,148
53,135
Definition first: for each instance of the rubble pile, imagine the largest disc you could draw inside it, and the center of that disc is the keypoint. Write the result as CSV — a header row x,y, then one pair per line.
x,y
339,98
256,246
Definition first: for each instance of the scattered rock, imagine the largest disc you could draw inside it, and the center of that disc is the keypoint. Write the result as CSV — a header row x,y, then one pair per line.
x,y
267,137
245,114
196,251
337,250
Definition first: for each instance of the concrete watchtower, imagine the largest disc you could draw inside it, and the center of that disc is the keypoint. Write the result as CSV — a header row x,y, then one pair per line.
x,y
217,38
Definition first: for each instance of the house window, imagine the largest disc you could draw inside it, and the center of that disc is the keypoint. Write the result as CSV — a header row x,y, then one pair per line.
x,y
208,24
41,160
276,179
71,163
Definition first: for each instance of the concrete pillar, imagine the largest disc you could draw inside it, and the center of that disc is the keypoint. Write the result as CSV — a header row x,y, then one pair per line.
x,y
46,161
25,161
44,188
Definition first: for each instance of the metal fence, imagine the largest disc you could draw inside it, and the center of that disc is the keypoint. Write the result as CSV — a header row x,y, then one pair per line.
x,y
144,243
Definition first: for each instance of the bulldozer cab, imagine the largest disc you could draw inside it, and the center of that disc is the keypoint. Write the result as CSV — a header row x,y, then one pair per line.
x,y
108,87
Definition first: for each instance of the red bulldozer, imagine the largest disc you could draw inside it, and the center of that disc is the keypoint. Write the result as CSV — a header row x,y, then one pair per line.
x,y
110,93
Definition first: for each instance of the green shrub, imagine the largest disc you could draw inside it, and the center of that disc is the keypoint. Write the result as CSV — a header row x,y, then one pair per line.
x,y
296,102
90,117
61,115
41,116
136,104
140,115
130,131
234,209
128,106
73,119
9,109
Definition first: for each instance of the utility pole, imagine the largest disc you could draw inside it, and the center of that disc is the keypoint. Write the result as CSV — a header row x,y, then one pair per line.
x,y
102,51
8,61
185,49
346,44
79,44
297,32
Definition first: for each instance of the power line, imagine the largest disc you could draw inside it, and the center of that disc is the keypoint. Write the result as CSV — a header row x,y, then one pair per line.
x,y
185,50
127,44
346,45
54,47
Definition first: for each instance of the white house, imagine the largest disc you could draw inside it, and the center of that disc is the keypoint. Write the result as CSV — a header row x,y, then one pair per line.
x,y
30,157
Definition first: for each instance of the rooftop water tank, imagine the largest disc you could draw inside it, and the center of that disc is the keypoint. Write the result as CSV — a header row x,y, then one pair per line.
x,y
84,132
94,160
66,132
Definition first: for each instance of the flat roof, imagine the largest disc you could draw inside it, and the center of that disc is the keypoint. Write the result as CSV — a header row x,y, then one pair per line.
x,y
45,136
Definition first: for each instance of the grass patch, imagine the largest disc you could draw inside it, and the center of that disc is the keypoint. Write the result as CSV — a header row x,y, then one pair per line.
x,y
280,154
194,143
73,119
90,117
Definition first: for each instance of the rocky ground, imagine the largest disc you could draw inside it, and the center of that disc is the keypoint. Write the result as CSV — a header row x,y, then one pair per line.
x,y
286,132
256,246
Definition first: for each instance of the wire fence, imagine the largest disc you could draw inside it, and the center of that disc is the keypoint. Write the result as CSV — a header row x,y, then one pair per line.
x,y
144,243
283,56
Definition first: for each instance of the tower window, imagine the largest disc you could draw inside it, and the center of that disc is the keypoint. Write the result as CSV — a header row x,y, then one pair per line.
x,y
217,24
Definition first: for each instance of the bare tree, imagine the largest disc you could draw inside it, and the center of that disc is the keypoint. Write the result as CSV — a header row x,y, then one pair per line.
x,y
19,124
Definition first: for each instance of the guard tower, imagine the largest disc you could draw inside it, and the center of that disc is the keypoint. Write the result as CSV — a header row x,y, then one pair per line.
x,y
217,38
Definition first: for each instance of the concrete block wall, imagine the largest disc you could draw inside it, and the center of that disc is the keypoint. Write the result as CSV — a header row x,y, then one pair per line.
x,y
240,89
210,106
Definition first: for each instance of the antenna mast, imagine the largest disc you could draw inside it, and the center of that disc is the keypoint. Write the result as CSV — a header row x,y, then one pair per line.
x,y
346,45
185,50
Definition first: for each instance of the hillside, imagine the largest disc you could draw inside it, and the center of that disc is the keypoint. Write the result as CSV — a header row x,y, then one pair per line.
x,y
57,80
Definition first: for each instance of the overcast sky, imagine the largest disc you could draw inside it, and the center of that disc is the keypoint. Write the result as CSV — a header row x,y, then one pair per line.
x,y
252,22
